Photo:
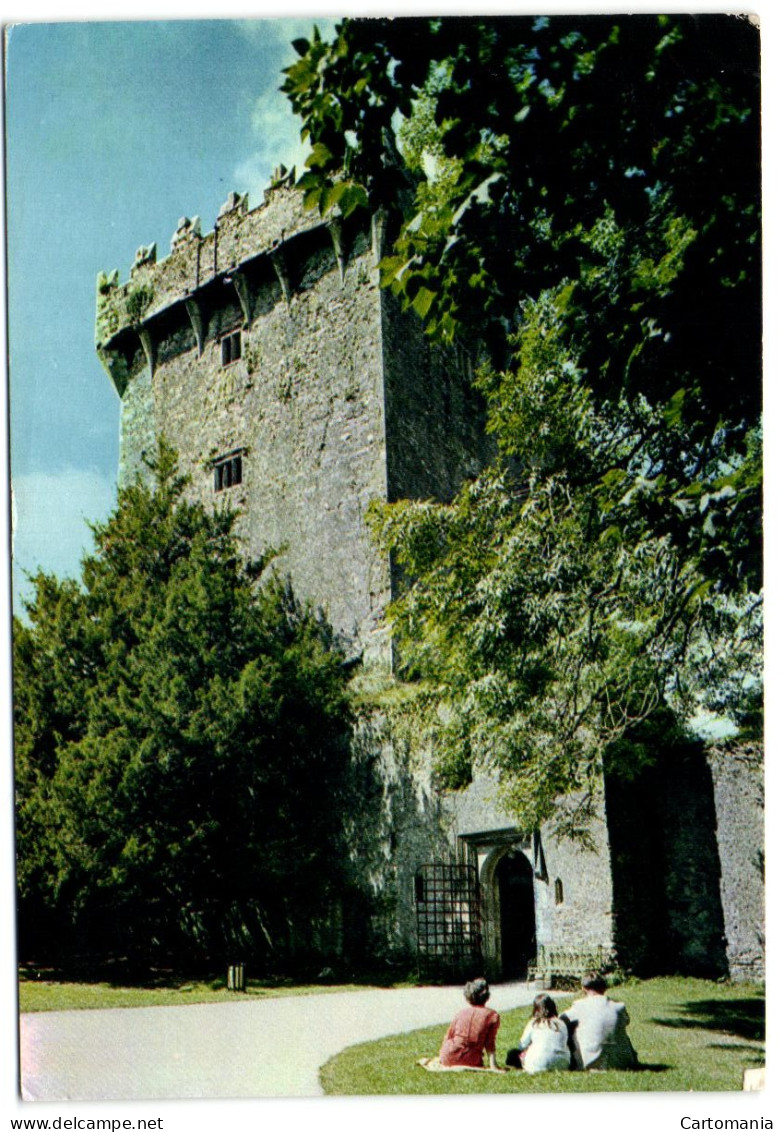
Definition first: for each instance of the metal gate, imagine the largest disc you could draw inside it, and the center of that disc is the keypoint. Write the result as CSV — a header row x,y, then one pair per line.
x,y
449,932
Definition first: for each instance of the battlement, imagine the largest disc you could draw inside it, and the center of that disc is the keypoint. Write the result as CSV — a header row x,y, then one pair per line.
x,y
197,261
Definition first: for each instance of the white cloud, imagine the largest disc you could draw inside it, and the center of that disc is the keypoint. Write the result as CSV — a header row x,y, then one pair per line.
x,y
277,129
282,32
49,519
272,120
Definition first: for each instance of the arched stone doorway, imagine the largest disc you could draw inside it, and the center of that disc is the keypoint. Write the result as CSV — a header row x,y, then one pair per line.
x,y
516,910
510,891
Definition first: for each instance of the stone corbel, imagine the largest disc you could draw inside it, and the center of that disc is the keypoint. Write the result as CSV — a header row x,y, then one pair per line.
x,y
116,367
279,263
240,282
149,348
197,323
336,232
540,866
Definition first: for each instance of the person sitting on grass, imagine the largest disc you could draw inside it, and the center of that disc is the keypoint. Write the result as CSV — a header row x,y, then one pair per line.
x,y
600,1037
545,1040
473,1030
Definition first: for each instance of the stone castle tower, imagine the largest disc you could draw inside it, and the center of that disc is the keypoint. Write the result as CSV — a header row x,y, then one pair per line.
x,y
297,392
294,389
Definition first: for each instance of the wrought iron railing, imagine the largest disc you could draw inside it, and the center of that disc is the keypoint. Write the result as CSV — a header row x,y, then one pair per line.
x,y
567,962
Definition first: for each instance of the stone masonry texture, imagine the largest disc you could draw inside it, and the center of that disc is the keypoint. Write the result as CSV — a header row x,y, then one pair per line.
x,y
738,789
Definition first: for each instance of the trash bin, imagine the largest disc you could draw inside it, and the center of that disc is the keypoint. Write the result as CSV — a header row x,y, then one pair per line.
x,y
236,977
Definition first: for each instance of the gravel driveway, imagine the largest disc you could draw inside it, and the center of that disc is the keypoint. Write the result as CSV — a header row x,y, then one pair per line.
x,y
268,1048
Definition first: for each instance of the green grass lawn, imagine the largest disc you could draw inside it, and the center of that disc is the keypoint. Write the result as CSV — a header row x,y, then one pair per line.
x,y
49,994
690,1034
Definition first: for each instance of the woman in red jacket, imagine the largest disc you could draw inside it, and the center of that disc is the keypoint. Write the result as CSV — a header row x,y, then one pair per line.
x,y
473,1030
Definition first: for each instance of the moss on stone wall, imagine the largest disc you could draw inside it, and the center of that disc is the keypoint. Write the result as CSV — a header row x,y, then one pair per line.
x,y
138,302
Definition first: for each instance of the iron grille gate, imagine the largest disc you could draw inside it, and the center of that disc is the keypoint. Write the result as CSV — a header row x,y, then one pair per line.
x,y
449,934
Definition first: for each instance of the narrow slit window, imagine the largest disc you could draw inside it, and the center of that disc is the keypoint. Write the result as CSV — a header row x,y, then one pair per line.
x,y
559,891
231,348
227,471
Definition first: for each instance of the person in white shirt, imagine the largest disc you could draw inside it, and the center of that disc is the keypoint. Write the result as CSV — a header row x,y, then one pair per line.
x,y
598,1027
545,1040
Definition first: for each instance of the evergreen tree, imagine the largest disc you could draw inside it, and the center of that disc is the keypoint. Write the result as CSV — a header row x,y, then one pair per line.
x,y
180,730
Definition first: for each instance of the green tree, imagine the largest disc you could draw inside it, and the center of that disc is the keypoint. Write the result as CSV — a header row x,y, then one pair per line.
x,y
547,627
178,726
618,156
581,195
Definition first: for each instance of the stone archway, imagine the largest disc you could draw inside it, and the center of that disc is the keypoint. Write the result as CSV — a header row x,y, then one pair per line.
x,y
517,915
508,900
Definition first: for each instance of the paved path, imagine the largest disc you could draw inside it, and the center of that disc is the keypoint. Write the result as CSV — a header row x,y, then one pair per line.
x,y
268,1048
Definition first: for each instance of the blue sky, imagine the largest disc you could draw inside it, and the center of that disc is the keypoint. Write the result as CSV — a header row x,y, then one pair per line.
x,y
114,131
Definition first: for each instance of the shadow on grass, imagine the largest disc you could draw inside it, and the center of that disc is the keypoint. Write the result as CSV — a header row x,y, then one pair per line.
x,y
734,1045
741,1017
652,1067
755,1054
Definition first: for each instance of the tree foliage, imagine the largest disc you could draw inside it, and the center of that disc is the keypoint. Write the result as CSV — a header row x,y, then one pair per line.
x,y
553,121
579,194
546,622
616,156
177,728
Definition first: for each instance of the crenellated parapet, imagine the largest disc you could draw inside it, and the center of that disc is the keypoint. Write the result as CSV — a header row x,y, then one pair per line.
x,y
244,245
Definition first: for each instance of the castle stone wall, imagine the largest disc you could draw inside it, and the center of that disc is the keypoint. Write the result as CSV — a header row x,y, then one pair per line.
x,y
738,788
435,425
395,824
583,919
304,403
137,429
336,400
670,915
195,260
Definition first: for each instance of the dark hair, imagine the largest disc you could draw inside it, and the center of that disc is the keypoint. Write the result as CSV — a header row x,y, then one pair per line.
x,y
544,1010
477,992
593,981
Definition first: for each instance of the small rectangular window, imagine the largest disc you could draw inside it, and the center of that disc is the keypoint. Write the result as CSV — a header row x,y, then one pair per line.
x,y
231,348
227,472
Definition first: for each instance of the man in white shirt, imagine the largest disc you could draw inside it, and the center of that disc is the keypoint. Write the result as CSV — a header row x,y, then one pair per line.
x,y
599,1028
